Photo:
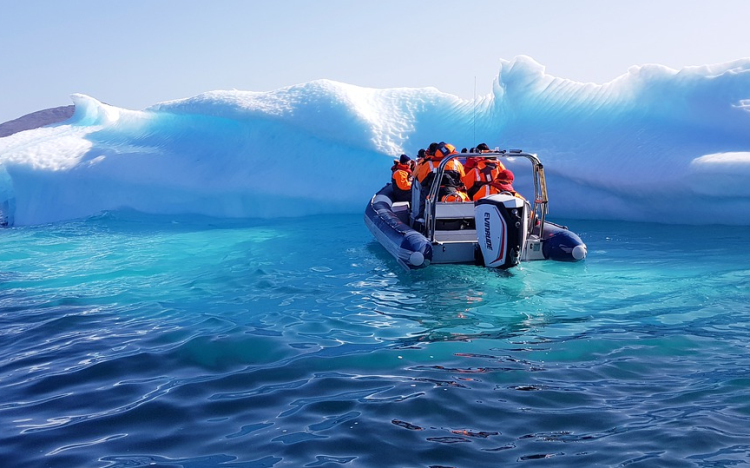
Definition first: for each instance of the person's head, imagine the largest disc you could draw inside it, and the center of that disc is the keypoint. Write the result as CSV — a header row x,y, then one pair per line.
x,y
420,153
481,147
404,159
504,180
505,176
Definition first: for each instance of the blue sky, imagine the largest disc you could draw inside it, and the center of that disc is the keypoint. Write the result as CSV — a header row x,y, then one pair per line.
x,y
139,52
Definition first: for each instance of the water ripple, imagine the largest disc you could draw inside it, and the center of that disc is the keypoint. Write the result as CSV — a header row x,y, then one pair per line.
x,y
126,341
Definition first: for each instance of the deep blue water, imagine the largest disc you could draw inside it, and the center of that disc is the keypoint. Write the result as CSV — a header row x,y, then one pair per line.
x,y
129,340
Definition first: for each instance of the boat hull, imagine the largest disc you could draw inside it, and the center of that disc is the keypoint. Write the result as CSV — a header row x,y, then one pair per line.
x,y
388,221
410,248
561,244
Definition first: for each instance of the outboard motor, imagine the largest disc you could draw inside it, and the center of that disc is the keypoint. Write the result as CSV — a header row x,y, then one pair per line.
x,y
502,223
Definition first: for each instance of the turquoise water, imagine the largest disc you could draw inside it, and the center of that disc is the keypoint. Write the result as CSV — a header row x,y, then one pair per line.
x,y
130,340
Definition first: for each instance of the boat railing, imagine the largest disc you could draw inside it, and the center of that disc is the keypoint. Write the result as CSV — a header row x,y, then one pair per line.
x,y
539,205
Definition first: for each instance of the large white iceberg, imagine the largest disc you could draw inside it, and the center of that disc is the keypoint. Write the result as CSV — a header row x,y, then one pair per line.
x,y
655,144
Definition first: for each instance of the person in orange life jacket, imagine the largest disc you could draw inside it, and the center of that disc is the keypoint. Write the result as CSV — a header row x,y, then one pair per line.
x,y
422,157
478,181
487,179
503,183
454,195
432,157
401,178
454,171
472,161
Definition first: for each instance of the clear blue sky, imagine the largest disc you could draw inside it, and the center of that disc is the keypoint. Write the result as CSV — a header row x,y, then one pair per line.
x,y
135,53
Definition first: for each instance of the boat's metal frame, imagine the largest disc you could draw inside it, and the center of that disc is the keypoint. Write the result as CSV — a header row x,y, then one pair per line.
x,y
458,245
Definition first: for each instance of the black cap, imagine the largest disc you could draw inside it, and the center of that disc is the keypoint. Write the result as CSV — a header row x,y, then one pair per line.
x,y
404,159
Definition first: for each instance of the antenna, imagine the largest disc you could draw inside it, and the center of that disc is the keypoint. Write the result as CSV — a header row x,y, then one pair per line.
x,y
474,140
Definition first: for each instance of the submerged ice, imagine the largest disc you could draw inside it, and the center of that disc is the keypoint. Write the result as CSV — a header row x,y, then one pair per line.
x,y
655,144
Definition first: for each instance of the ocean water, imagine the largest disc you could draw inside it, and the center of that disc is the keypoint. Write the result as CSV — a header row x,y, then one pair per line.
x,y
130,340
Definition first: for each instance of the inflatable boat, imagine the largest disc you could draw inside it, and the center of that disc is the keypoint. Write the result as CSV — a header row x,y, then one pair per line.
x,y
498,231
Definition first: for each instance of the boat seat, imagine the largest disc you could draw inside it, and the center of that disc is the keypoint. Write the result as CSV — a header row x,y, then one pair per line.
x,y
455,217
400,205
454,210
401,209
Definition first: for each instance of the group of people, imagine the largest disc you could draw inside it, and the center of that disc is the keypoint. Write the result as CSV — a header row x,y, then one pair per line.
x,y
476,178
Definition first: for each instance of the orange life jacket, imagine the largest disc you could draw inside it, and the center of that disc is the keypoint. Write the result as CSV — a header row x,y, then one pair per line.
x,y
401,180
430,164
456,196
480,175
494,188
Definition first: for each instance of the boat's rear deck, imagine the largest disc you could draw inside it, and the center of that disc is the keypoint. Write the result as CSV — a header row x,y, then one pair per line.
x,y
455,231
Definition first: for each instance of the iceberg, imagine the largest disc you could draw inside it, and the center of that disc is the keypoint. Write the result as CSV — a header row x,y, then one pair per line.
x,y
653,145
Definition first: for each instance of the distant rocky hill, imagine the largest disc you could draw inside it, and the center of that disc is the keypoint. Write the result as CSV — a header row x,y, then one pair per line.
x,y
36,119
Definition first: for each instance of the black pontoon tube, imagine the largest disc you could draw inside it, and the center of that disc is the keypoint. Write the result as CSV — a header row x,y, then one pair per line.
x,y
410,248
